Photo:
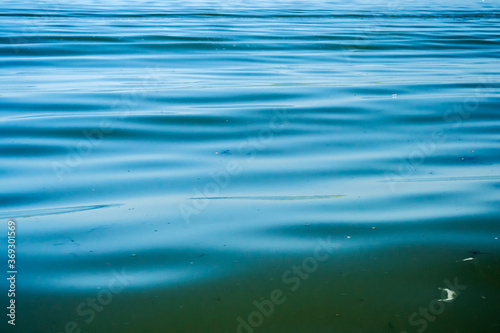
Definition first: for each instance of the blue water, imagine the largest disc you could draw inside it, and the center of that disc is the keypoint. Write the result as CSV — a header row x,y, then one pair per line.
x,y
265,166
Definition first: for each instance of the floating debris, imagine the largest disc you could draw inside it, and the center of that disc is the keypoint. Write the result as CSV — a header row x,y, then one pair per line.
x,y
450,295
468,259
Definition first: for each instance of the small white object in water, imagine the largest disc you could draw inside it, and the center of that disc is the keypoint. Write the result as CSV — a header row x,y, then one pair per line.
x,y
468,259
450,295
394,95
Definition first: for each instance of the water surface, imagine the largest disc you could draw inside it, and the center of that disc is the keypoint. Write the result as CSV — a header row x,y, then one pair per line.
x,y
188,163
